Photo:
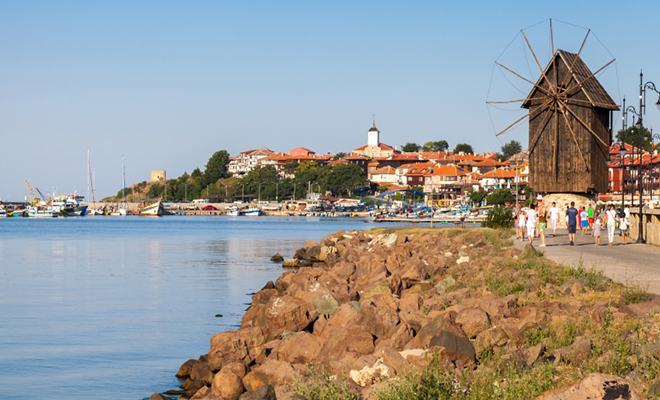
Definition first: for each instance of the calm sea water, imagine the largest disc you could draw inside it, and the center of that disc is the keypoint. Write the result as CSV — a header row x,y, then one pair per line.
x,y
110,307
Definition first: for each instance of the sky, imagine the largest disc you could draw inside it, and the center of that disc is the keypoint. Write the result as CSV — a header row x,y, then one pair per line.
x,y
167,83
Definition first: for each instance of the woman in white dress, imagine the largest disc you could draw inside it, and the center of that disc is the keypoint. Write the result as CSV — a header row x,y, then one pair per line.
x,y
610,223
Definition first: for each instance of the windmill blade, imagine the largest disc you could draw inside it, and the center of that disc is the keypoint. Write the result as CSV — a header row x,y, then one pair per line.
x,y
515,122
504,102
552,38
571,91
555,149
570,70
550,85
570,128
586,126
523,78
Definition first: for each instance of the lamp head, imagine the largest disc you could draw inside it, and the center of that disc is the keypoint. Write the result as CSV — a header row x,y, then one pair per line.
x,y
657,103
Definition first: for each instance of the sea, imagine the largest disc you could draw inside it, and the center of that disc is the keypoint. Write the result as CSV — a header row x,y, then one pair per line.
x,y
102,307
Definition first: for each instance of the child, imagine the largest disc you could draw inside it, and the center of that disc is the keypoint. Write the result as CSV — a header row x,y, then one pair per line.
x,y
623,228
596,232
584,221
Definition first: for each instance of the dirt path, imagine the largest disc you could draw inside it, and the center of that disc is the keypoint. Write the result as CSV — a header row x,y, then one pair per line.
x,y
636,264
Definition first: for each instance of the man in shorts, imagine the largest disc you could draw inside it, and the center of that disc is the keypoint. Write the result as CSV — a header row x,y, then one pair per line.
x,y
571,216
532,217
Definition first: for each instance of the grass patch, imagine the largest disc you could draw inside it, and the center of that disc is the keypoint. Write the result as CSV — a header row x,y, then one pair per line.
x,y
319,384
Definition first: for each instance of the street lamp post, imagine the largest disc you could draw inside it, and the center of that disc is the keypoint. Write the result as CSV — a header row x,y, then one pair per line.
x,y
185,198
654,137
640,126
622,154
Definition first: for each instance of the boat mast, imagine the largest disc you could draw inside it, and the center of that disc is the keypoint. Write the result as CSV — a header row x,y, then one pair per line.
x,y
123,179
89,176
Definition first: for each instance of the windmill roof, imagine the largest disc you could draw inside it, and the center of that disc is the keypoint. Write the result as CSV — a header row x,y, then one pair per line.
x,y
594,91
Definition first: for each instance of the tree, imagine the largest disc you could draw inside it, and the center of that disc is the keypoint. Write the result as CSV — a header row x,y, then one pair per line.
x,y
500,196
410,147
478,196
463,147
634,137
510,149
440,145
215,167
307,166
339,156
341,177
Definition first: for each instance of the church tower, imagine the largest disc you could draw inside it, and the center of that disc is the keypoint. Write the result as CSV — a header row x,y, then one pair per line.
x,y
373,135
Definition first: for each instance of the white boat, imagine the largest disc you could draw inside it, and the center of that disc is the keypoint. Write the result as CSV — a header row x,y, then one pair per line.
x,y
233,211
3,212
252,212
119,213
69,205
42,212
152,209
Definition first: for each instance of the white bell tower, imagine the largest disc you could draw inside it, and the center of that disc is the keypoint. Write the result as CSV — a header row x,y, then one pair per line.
x,y
373,135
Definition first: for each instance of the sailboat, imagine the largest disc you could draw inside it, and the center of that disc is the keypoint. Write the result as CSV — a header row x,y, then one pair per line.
x,y
121,209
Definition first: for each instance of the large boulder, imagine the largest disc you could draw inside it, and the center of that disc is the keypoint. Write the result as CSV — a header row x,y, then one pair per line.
x,y
500,307
349,339
283,313
473,321
377,320
443,331
272,372
574,353
301,348
596,387
325,325
228,384
265,392
325,304
243,345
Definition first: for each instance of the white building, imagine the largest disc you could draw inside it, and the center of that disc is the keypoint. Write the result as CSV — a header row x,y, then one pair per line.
x,y
245,161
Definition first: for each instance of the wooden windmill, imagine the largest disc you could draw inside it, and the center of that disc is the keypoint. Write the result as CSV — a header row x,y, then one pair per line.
x,y
569,126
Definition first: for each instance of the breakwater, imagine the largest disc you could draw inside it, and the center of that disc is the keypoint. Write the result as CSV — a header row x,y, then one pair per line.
x,y
381,311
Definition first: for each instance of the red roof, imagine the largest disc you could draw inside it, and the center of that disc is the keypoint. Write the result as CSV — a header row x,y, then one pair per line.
x,y
382,146
499,173
301,151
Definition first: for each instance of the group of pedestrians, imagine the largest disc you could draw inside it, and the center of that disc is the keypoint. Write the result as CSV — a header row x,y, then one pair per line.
x,y
534,221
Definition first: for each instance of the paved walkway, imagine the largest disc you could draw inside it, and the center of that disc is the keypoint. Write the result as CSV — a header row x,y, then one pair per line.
x,y
629,264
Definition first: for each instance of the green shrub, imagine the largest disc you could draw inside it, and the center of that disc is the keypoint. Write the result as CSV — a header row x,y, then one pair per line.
x,y
434,384
319,384
499,217
500,196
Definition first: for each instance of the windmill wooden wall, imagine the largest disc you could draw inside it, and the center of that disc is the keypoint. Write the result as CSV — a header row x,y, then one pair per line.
x,y
556,162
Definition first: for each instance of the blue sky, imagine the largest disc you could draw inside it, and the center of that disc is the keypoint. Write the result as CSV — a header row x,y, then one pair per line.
x,y
166,84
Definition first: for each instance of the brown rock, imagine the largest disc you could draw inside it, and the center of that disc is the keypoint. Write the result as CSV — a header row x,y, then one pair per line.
x,y
186,368
377,320
283,313
415,319
352,338
201,393
226,385
397,338
533,354
300,254
243,345
574,353
393,360
301,348
265,392
473,321
500,307
309,244
201,372
410,301
642,309
344,316
255,379
489,339
158,396
278,372
576,289
594,386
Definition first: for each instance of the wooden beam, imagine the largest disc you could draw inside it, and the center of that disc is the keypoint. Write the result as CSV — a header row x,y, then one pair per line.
x,y
537,62
539,130
570,70
563,112
504,102
586,126
589,102
555,149
544,90
518,120
552,38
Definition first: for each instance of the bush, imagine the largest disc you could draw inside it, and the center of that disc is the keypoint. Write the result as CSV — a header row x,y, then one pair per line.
x,y
500,196
499,217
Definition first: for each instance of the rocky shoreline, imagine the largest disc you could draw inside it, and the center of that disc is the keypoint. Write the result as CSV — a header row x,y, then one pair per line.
x,y
388,313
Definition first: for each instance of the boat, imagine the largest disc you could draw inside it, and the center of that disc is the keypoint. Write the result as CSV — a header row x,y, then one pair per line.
x,y
42,211
233,211
17,213
69,205
252,212
152,209
3,212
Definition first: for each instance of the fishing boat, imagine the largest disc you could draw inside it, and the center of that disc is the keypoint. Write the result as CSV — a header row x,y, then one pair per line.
x,y
152,209
69,205
42,211
17,213
3,212
233,211
252,211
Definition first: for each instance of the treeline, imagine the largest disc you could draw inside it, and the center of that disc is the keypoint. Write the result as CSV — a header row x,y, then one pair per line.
x,y
506,151
263,182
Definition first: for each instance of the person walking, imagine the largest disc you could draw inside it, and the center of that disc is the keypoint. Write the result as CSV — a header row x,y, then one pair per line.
x,y
584,221
596,231
543,223
521,223
590,216
623,228
532,217
610,223
571,217
554,217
